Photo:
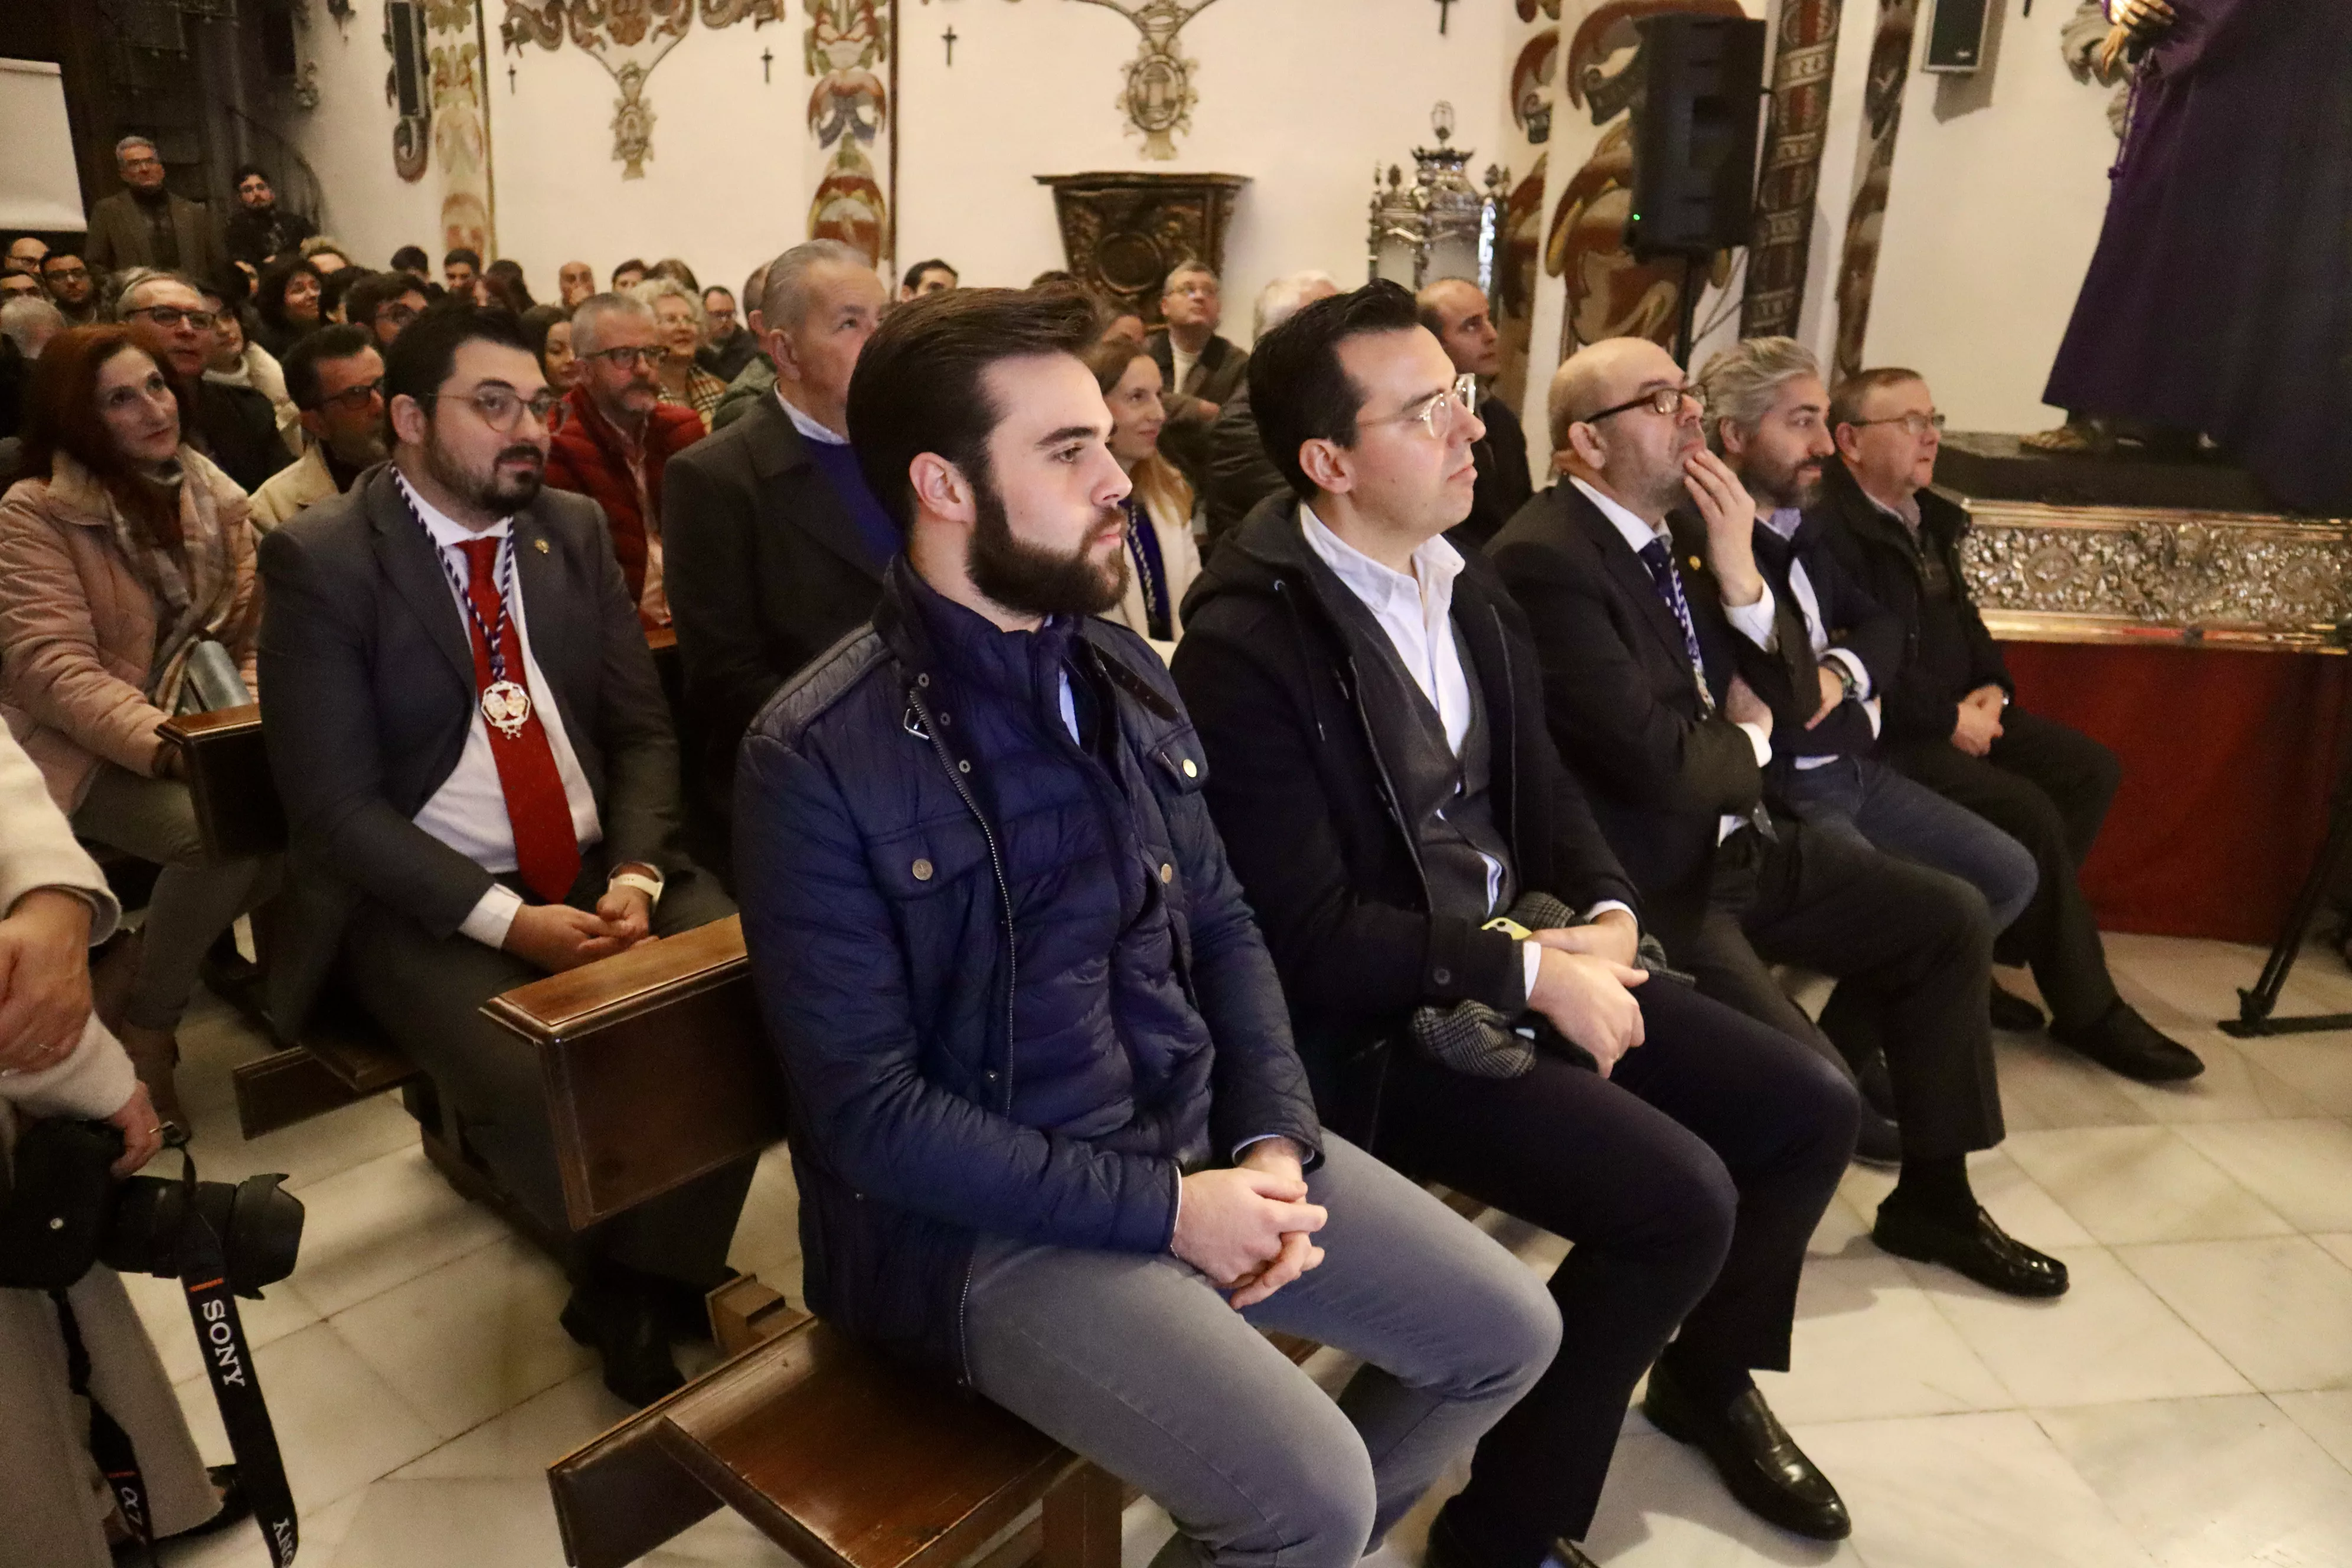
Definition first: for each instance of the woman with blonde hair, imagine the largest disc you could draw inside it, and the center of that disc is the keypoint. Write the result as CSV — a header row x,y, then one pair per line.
x,y
680,315
1161,558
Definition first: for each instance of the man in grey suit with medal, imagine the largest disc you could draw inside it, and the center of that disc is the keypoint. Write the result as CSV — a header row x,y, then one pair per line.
x,y
481,785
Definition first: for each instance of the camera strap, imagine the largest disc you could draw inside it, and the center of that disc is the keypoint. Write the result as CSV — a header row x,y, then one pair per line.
x,y
109,1445
237,1385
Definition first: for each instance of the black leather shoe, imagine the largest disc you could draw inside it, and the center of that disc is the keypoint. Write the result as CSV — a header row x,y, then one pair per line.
x,y
1760,1464
2013,1012
2126,1043
1981,1250
1876,1139
620,1318
1446,1550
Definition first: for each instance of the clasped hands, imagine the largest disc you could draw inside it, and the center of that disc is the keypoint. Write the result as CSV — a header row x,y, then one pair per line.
x,y
1978,725
45,1005
556,937
1584,986
1250,1227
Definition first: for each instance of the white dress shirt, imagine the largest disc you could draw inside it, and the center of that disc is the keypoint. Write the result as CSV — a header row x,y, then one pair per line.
x,y
1180,362
1417,613
1753,622
468,812
808,425
1784,521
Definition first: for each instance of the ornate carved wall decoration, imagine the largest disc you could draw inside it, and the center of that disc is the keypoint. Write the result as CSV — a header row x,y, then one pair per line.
x,y
1786,189
1121,233
408,87
1158,96
1874,169
1610,294
849,45
461,132
2140,574
1533,88
628,38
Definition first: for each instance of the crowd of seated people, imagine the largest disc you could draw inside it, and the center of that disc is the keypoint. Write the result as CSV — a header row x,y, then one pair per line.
x,y
1181,797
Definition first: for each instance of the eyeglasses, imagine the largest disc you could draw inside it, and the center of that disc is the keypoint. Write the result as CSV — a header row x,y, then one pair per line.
x,y
501,407
629,358
1918,425
66,274
1436,414
1664,401
395,315
171,316
355,398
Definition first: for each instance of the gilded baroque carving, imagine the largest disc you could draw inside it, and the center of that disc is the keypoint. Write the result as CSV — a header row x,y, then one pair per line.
x,y
848,44
628,38
1158,97
2097,574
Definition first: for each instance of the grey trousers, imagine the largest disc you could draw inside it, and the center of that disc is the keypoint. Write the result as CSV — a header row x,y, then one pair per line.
x,y
428,991
1136,1362
194,899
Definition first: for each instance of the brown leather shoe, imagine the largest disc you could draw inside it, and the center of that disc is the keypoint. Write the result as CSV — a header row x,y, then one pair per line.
x,y
154,1053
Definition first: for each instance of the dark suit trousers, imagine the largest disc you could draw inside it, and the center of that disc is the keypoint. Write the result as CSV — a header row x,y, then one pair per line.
x,y
1912,949
1690,1181
428,991
2048,787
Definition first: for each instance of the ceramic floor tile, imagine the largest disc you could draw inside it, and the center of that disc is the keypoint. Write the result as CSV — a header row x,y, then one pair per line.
x,y
526,1439
2211,1483
2021,1205
727,1540
2279,1309
2339,1247
163,1307
309,1150
1967,1491
2326,1415
2318,1065
2108,1338
767,1238
472,1337
2232,1088
1869,1344
340,1426
1663,1507
241,1547
382,1224
1841,1232
453,1524
2044,1085
2140,1184
2302,1169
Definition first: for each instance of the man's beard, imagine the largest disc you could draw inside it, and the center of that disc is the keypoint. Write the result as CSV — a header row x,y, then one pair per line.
x,y
1031,581
1798,485
365,451
492,490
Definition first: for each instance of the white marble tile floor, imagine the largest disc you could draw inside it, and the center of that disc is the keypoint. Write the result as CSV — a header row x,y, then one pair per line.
x,y
2189,1404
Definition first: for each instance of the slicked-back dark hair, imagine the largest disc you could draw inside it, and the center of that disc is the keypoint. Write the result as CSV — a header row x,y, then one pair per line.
x,y
466,253
411,256
914,274
377,289
425,355
340,340
1299,391
920,384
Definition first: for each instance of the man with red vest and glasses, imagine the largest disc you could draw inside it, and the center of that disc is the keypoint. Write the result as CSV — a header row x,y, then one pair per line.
x,y
482,787
617,436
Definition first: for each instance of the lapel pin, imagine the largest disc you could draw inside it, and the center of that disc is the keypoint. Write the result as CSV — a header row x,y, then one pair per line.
x,y
1694,560
541,545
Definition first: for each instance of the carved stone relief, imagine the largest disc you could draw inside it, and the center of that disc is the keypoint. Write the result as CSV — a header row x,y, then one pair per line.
x,y
1123,232
1158,97
628,38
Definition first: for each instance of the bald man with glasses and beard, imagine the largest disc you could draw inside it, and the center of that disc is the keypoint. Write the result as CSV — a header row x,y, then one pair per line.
x,y
479,773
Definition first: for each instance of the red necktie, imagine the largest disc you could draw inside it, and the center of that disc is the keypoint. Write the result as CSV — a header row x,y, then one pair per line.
x,y
547,850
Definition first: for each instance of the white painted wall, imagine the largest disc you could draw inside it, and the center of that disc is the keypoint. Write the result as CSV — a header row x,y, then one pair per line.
x,y
727,184
1303,96
1989,226
348,140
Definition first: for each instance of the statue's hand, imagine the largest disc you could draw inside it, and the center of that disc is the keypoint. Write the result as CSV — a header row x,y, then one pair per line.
x,y
2142,18
2112,49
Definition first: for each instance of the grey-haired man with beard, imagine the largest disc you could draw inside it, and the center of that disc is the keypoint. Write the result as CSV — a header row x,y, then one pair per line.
x,y
477,763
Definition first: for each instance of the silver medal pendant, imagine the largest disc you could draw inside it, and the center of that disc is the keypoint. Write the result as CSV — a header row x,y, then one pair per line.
x,y
506,707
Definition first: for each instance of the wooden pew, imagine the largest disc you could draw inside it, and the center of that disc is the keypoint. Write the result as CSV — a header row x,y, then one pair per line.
x,y
653,1060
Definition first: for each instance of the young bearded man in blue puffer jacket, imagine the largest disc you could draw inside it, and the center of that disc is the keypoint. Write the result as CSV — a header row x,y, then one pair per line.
x,y
1050,1132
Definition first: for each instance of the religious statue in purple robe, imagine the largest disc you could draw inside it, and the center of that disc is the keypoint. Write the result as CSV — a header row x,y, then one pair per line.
x,y
2219,301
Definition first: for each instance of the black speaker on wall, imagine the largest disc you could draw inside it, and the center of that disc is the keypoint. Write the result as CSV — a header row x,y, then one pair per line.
x,y
1694,128
1956,36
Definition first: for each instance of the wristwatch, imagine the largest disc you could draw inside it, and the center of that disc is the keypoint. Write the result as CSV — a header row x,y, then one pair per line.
x,y
1845,678
646,879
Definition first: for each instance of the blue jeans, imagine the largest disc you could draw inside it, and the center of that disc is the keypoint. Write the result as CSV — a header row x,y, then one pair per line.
x,y
1135,1361
1869,801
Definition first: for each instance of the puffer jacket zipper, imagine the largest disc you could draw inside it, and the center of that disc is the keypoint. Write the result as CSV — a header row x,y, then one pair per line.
x,y
956,770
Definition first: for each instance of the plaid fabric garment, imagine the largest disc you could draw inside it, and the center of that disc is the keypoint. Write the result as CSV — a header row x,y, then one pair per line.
x,y
1472,1037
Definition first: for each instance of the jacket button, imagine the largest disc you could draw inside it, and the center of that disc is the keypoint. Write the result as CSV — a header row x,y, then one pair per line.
x,y
963,767
1191,769
922,680
1443,977
1167,872
922,870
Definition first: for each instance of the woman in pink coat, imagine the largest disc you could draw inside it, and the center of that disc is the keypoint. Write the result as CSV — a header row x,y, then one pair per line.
x,y
121,559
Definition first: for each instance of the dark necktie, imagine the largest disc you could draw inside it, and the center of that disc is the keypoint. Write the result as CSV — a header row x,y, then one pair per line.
x,y
547,850
1669,585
